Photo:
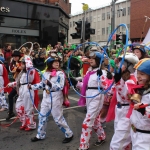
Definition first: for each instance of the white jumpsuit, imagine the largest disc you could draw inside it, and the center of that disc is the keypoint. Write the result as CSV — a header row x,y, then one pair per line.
x,y
141,141
3,102
24,105
94,105
57,101
121,138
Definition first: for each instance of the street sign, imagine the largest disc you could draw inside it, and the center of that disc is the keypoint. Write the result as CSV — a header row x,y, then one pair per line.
x,y
85,7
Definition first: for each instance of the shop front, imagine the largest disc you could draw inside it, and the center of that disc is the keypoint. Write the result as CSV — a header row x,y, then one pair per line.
x,y
21,22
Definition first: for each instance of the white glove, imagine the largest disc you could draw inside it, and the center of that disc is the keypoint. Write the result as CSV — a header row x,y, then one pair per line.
x,y
9,85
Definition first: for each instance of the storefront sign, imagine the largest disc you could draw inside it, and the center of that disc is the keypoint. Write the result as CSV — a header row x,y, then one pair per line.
x,y
17,31
4,9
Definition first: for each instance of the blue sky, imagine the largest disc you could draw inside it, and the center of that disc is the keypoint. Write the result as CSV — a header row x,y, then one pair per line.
x,y
77,4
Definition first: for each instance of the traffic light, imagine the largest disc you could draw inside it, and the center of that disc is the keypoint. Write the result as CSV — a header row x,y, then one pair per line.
x,y
124,39
88,30
78,29
118,38
121,38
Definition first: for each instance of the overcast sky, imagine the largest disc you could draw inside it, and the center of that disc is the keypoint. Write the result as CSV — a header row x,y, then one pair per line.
x,y
77,4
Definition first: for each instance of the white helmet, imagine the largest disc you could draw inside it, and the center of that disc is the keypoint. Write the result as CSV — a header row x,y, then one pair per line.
x,y
131,58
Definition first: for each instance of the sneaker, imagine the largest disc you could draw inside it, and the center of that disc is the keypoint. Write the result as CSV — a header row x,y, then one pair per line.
x,y
98,143
10,115
22,127
35,139
28,129
67,140
3,109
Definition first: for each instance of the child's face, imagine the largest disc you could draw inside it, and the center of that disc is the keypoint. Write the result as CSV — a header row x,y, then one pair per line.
x,y
22,66
138,53
142,77
92,62
16,58
55,64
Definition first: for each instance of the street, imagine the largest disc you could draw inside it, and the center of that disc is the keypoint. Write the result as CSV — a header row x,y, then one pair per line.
x,y
14,138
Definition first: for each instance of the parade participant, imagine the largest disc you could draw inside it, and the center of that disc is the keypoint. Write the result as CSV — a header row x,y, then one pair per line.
x,y
15,68
121,138
94,105
24,106
140,117
108,96
139,51
3,82
54,83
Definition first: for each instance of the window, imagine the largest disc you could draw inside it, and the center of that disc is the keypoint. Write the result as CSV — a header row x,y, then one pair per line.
x,y
107,30
73,23
128,25
70,24
103,16
90,18
128,10
118,13
108,15
124,12
103,31
99,18
99,32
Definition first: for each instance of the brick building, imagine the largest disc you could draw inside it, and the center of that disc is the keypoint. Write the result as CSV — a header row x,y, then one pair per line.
x,y
139,9
33,20
64,4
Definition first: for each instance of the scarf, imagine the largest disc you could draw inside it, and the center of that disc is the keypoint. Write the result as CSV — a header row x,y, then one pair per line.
x,y
82,100
53,72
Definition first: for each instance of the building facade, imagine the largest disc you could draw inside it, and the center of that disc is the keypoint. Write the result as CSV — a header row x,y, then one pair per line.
x,y
139,26
22,21
100,20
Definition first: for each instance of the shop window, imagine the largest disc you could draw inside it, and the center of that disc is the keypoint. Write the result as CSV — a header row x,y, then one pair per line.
x,y
19,23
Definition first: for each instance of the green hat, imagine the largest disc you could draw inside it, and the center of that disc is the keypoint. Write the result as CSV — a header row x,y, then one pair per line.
x,y
66,49
72,47
112,63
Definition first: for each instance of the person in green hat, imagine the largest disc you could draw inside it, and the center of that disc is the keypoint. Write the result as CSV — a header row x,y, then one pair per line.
x,y
112,66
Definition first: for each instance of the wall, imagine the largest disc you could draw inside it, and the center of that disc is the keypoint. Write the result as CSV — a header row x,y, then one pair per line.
x,y
95,18
64,4
139,9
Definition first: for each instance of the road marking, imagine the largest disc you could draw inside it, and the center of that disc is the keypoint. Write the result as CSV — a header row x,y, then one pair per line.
x,y
35,114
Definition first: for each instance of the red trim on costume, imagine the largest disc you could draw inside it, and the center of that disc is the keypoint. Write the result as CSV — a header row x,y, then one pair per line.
x,y
6,80
113,103
35,81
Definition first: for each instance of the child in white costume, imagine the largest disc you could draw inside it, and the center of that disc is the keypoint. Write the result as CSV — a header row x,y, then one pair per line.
x,y
54,82
140,117
24,106
121,138
3,80
94,105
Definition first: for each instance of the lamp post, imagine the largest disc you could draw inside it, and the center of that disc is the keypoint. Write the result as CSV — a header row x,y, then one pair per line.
x,y
85,8
113,17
